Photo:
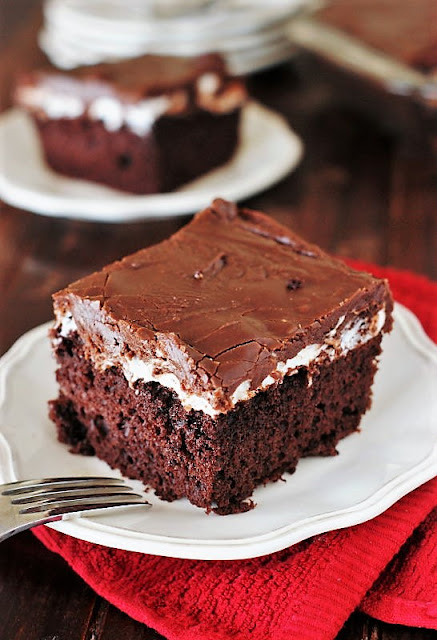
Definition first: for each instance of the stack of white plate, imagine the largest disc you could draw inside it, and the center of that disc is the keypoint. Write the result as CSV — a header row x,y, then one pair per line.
x,y
251,34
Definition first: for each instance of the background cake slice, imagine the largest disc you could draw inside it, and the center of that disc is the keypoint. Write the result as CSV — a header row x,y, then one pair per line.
x,y
213,361
144,125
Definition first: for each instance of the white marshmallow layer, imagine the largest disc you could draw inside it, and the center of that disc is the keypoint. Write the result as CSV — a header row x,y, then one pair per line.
x,y
337,343
138,117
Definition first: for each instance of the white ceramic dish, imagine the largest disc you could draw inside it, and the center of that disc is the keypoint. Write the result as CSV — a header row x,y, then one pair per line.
x,y
268,151
394,453
241,58
77,32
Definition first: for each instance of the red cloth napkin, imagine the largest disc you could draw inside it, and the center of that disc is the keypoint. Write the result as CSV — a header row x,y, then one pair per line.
x,y
306,591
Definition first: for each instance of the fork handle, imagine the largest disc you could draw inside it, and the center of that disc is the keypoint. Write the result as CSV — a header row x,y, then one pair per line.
x,y
9,526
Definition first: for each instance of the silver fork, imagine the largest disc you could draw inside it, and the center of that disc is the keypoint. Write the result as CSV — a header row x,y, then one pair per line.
x,y
29,503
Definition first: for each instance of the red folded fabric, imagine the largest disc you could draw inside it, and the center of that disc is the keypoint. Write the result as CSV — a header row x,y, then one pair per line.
x,y
306,591
406,593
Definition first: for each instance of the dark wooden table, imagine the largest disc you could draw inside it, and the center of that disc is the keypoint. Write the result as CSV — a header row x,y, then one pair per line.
x,y
362,190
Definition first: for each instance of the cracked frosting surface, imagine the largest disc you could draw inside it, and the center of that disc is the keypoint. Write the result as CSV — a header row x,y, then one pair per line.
x,y
219,304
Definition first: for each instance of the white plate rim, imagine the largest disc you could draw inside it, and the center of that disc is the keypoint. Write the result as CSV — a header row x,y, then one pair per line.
x,y
230,19
96,532
188,199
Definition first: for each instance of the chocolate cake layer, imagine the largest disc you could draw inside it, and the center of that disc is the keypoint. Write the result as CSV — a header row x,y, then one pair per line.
x,y
145,125
179,150
146,433
215,360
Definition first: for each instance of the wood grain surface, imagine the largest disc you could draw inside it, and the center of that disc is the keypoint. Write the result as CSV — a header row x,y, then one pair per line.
x,y
365,189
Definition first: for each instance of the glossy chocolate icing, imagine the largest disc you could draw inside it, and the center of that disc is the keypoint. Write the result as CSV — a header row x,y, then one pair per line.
x,y
130,80
223,300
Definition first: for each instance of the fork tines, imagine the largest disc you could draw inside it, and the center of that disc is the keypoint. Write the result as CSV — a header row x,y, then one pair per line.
x,y
24,486
57,496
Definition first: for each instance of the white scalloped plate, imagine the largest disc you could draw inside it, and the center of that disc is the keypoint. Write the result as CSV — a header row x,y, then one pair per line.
x,y
395,452
267,152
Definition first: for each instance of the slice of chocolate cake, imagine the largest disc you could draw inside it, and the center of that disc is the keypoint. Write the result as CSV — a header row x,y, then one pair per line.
x,y
211,362
145,125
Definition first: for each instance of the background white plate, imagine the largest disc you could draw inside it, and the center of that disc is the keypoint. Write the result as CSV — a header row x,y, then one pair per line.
x,y
268,151
395,452
250,34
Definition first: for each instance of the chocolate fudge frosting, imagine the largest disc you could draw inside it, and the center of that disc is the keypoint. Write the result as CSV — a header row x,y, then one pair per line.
x,y
130,80
222,301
